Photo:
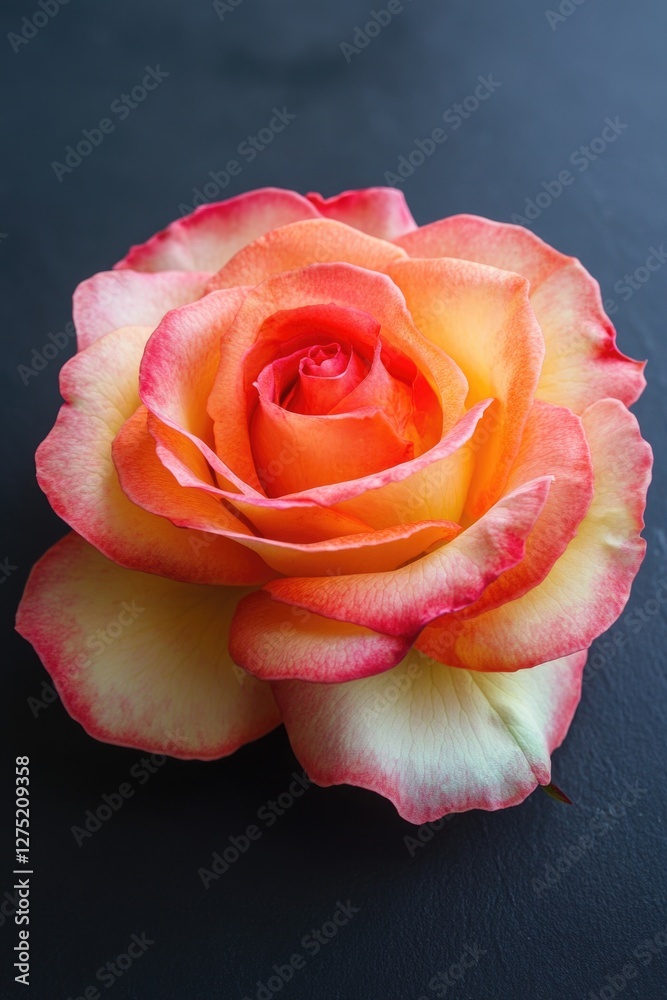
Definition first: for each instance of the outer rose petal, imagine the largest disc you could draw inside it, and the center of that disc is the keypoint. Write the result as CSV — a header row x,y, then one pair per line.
x,y
166,682
432,739
111,299
313,241
481,318
76,471
212,234
589,585
582,363
275,642
403,601
380,211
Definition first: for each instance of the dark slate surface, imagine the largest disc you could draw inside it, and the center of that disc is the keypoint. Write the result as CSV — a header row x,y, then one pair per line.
x,y
471,889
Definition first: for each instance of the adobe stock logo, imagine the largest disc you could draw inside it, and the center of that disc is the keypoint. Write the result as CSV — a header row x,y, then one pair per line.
x,y
121,107
581,158
565,10
40,357
31,25
363,36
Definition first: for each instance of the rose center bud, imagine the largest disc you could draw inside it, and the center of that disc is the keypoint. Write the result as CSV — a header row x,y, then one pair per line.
x,y
336,403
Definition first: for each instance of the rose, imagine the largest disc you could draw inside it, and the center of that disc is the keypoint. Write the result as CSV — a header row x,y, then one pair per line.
x,y
380,468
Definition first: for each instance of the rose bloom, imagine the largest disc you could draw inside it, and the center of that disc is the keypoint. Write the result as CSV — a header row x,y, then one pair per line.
x,y
326,468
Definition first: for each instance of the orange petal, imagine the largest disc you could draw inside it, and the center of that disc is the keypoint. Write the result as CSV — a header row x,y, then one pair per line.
x,y
582,363
313,241
341,285
482,318
146,481
405,600
588,586
554,443
227,547
329,449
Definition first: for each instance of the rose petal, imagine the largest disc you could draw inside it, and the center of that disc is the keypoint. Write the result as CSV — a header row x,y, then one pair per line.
x,y
111,299
341,285
319,389
141,661
275,642
149,484
403,601
146,481
589,585
554,442
481,317
323,447
212,234
76,471
582,363
313,241
396,387
178,369
432,739
431,487
379,211
294,521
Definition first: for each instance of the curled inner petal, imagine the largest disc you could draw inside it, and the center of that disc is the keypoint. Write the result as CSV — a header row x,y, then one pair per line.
x,y
331,392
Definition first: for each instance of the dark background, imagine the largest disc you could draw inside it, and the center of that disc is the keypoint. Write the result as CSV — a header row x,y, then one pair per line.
x,y
473,884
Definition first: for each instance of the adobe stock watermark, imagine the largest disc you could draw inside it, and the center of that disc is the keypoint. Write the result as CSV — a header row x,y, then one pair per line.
x,y
121,108
6,569
581,158
102,637
249,149
40,357
116,968
222,7
9,906
425,834
634,621
645,952
47,696
453,117
633,281
565,9
440,984
268,814
311,943
363,36
111,802
31,26
599,826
